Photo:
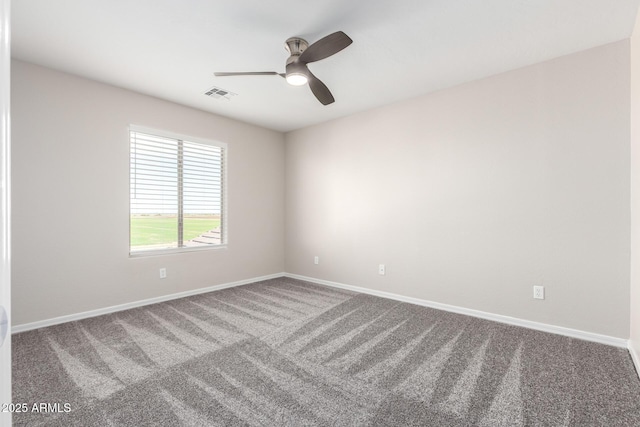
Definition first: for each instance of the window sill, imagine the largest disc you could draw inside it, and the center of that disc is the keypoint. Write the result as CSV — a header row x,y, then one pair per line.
x,y
171,251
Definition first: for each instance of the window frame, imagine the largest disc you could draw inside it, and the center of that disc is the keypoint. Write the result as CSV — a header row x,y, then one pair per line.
x,y
223,200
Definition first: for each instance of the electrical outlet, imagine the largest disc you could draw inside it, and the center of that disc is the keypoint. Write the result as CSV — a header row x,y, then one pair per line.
x,y
381,269
316,260
538,292
163,273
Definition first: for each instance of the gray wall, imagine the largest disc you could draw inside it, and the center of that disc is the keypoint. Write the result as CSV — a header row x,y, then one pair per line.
x,y
474,194
634,342
70,201
470,196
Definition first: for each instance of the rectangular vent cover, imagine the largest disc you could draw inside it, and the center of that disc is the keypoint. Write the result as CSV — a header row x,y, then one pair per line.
x,y
219,93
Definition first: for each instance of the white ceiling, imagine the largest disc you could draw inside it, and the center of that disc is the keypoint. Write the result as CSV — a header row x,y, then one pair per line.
x,y
401,49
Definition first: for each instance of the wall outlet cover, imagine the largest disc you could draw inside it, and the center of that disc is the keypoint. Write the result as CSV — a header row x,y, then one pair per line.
x,y
538,292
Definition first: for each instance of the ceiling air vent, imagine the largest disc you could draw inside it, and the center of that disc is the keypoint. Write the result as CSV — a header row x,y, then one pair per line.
x,y
219,93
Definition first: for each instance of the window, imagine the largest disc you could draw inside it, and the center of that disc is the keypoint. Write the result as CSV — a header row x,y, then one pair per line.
x,y
176,192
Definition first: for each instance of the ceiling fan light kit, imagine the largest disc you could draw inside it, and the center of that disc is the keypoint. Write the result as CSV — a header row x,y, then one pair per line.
x,y
297,79
297,74
300,54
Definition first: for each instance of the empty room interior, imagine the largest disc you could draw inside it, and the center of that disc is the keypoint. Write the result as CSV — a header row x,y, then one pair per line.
x,y
416,214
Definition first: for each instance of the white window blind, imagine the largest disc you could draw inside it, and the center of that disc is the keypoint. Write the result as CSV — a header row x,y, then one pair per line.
x,y
176,193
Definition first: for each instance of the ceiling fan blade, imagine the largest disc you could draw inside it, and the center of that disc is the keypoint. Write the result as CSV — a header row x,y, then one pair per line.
x,y
249,73
325,47
320,90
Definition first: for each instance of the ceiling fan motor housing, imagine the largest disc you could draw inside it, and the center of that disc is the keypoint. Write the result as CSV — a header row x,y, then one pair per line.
x,y
296,72
296,68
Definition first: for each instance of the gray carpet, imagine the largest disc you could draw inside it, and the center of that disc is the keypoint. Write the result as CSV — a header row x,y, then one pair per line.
x,y
287,352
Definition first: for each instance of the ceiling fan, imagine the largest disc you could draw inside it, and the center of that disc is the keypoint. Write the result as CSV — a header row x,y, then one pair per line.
x,y
301,53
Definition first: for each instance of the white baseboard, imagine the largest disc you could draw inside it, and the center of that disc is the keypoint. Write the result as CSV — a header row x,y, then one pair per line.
x,y
107,310
559,330
573,333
